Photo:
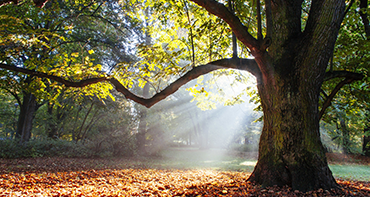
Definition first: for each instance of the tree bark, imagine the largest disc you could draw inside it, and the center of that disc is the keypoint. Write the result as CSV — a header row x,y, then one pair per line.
x,y
28,109
290,148
366,142
345,135
53,126
293,70
142,130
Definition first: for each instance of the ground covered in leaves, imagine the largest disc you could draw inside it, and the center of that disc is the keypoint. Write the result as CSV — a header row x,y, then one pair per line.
x,y
131,177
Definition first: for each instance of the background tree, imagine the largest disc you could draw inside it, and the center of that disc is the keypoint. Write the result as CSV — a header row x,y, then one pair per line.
x,y
63,40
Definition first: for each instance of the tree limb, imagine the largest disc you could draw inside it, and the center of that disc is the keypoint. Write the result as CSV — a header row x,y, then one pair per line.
x,y
343,73
349,7
241,32
349,78
268,19
233,37
38,3
67,83
249,65
235,63
259,21
363,14
325,13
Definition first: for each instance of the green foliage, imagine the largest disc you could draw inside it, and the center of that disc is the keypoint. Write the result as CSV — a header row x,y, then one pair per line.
x,y
43,148
8,113
63,148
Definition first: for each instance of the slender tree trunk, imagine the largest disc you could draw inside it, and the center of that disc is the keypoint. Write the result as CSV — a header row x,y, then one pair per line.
x,y
366,142
27,113
53,129
140,136
345,135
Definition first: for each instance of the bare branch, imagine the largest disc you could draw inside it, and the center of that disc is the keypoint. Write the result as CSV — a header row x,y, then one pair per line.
x,y
235,24
346,74
259,21
241,64
349,78
328,12
268,19
363,14
349,7
249,65
233,37
38,3
67,83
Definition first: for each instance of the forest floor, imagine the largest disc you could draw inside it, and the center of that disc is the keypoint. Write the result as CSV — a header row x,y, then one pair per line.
x,y
157,176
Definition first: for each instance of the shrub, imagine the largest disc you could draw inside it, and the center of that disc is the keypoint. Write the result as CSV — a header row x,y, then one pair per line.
x,y
43,148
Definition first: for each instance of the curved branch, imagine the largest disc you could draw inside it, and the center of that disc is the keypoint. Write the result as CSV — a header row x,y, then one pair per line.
x,y
38,3
343,73
241,32
349,78
249,65
235,63
67,83
365,20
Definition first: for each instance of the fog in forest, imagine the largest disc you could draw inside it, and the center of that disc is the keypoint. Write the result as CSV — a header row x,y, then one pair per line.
x,y
208,124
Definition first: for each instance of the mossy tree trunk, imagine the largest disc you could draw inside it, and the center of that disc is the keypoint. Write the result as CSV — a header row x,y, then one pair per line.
x,y
290,149
292,73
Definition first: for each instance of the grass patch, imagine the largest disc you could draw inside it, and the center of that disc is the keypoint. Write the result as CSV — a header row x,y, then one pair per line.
x,y
194,158
220,159
351,172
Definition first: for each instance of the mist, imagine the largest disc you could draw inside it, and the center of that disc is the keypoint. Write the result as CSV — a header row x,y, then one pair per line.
x,y
208,127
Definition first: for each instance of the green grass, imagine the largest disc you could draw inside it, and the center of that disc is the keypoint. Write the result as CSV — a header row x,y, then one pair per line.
x,y
219,159
351,172
193,158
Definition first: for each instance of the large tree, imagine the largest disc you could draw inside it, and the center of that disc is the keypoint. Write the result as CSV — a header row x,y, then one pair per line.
x,y
291,56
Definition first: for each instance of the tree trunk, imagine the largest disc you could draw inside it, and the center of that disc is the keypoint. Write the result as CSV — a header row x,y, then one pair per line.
x,y
345,135
290,149
27,113
140,136
366,142
52,129
292,73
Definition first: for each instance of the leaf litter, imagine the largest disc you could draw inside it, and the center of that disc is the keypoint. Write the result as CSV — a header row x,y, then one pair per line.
x,y
118,177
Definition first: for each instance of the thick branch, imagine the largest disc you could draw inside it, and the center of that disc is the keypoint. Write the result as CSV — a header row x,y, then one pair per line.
x,y
349,78
259,21
67,83
363,14
268,19
325,18
249,65
241,64
233,37
346,74
38,3
235,24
